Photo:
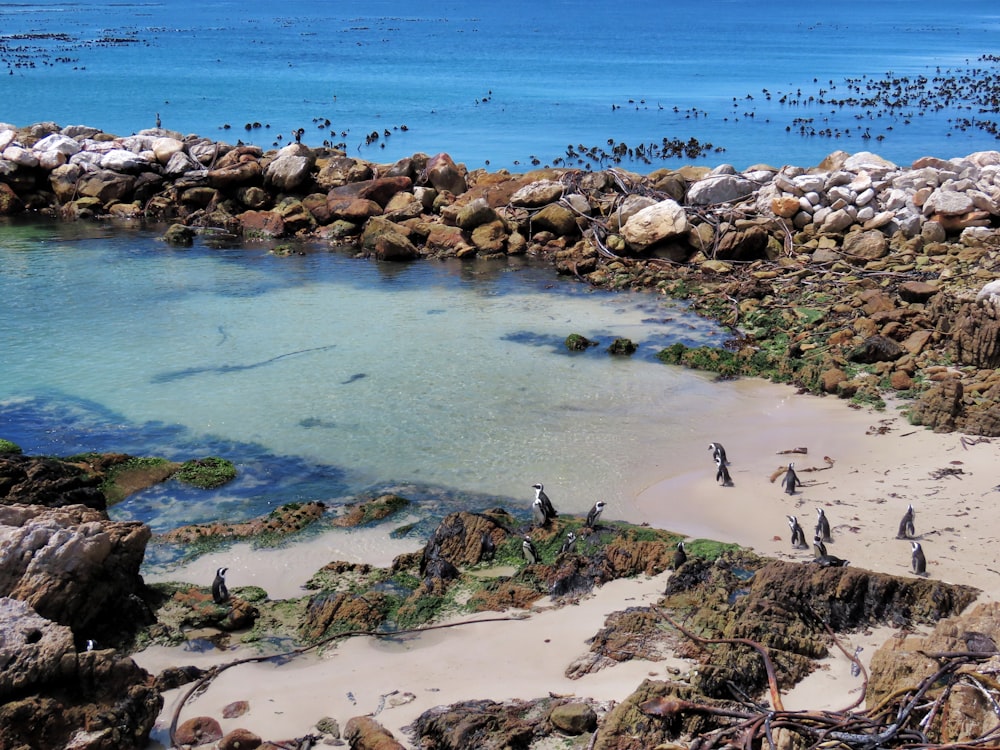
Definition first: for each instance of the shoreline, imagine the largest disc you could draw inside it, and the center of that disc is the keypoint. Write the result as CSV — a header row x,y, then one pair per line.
x,y
880,465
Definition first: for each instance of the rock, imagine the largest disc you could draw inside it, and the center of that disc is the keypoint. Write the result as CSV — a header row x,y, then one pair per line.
x,y
122,161
179,235
364,733
747,243
876,349
976,334
51,482
239,739
10,203
49,690
339,610
573,718
105,185
483,724
468,538
866,245
235,175
622,347
538,194
261,224
199,730
75,567
442,173
165,147
384,240
917,291
557,219
940,406
290,170
654,224
720,188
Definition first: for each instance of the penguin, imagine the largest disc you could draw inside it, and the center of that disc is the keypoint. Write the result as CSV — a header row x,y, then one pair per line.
x,y
595,514
718,453
798,535
569,543
539,514
680,556
917,560
819,549
791,480
722,473
543,499
220,594
90,645
822,558
906,530
487,548
528,550
822,526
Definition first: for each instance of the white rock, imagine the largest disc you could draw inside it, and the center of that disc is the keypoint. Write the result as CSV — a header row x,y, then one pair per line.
x,y
7,137
990,290
948,202
164,148
864,197
22,157
49,160
861,182
870,162
655,223
57,142
120,160
810,183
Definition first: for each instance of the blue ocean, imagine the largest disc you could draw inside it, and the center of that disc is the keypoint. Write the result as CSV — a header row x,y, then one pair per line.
x,y
325,377
510,85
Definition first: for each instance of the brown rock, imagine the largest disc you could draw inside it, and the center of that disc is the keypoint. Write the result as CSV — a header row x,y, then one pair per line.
x,y
262,224
235,175
199,730
832,378
235,710
746,243
900,381
785,206
343,611
861,247
105,185
364,733
976,336
490,238
939,407
444,175
573,718
876,349
917,291
555,218
239,739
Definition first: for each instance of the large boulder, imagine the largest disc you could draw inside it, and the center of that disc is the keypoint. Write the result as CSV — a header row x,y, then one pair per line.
x,y
105,185
653,224
290,170
444,175
75,567
38,480
52,695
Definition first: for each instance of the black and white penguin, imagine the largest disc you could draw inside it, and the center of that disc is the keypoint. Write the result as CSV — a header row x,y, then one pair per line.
x,y
722,473
528,550
541,499
798,535
791,480
822,526
569,544
538,513
680,556
220,594
822,558
718,453
906,530
917,560
594,515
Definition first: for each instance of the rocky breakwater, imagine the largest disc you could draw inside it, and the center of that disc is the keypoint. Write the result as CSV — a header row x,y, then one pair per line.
x,y
70,591
856,276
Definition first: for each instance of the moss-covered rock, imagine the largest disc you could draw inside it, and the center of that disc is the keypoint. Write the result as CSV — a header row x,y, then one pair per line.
x,y
207,473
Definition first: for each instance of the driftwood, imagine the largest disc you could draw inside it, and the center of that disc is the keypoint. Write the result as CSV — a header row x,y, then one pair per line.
x,y
901,720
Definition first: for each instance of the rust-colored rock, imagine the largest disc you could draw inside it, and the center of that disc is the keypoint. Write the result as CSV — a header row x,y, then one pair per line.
x,y
199,730
364,733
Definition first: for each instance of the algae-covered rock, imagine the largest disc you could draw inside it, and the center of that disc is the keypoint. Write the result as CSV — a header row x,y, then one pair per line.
x,y
577,343
371,510
207,473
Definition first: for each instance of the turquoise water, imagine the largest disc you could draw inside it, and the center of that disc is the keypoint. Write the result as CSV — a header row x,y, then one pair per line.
x,y
322,375
512,83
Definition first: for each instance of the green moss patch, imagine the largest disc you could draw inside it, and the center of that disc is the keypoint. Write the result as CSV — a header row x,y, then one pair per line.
x,y
206,473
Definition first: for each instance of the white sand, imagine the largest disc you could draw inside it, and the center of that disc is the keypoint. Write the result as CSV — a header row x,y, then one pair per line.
x,y
873,478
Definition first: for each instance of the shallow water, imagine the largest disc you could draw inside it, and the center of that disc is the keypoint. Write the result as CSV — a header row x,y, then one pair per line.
x,y
323,376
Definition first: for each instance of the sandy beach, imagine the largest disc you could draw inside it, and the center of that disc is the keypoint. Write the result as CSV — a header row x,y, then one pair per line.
x,y
878,464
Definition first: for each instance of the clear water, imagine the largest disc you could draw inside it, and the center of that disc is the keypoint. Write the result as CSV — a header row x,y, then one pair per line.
x,y
322,376
506,83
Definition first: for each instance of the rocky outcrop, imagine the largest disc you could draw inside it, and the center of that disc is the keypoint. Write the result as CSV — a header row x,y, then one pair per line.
x,y
54,695
39,480
74,566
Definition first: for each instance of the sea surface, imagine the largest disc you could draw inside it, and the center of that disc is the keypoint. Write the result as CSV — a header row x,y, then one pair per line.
x,y
325,377
514,84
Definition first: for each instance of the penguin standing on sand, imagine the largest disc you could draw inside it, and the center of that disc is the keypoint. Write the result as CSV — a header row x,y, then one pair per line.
x,y
680,556
595,513
718,453
906,530
569,544
798,535
722,473
791,480
220,593
822,526
528,550
543,503
917,560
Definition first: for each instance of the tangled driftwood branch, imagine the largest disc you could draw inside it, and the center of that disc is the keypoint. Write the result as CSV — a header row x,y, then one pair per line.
x,y
902,720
